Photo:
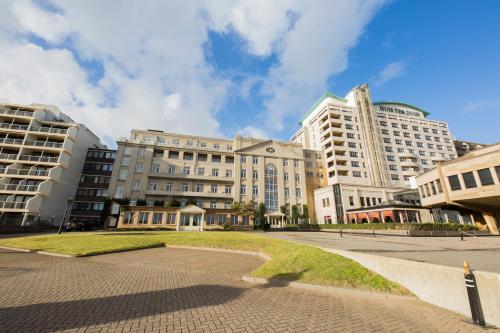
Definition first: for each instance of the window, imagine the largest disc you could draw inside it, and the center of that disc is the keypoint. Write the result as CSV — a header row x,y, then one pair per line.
x,y
351,144
215,172
243,174
485,177
189,143
383,123
348,118
199,188
227,189
185,187
388,149
169,187
213,204
173,154
234,219
393,167
229,147
229,173
285,176
396,133
155,168
214,188
399,141
349,126
390,157
188,156
469,180
203,144
406,135
362,201
141,152
119,192
185,219
356,174
125,161
216,158
202,157
186,170
216,146
297,192
175,141
255,160
127,217
127,151
287,192
387,140
255,174
157,217
123,174
210,219
285,162
394,125
221,219
394,177
143,217
271,187
351,200
296,163
353,154
243,190
297,178
153,185
255,190
497,170
139,168
200,171
403,126
350,135
384,131
454,183
171,218
136,185
243,159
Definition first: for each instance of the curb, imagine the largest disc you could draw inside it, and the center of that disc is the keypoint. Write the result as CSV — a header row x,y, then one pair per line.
x,y
53,254
322,288
16,249
213,249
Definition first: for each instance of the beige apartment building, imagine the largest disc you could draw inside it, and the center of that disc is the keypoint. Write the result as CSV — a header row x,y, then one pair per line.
x,y
42,152
213,172
465,190
371,149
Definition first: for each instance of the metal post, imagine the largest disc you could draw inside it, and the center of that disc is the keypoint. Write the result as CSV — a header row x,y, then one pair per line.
x,y
473,295
373,230
340,232
68,203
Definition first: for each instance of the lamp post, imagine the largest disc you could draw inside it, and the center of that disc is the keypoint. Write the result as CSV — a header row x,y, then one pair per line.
x,y
68,203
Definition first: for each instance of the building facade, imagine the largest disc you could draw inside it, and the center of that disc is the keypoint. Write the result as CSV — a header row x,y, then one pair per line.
x,y
42,152
465,190
212,172
378,147
90,201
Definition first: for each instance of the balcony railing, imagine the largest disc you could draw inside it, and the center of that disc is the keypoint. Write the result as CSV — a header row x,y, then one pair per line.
x,y
46,129
12,205
16,112
17,187
34,158
25,172
43,144
8,156
9,141
14,126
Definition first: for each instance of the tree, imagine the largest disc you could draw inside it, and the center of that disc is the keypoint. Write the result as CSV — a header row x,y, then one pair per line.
x,y
305,212
260,215
283,209
295,213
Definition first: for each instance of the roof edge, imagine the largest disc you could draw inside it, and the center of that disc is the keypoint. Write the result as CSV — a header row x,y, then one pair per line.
x,y
319,101
403,104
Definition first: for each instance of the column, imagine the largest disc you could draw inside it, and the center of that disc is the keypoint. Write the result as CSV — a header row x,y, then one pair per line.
x,y
202,222
177,220
489,218
418,216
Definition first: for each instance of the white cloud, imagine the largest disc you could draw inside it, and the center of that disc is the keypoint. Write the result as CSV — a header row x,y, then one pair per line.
x,y
254,132
482,105
155,73
389,72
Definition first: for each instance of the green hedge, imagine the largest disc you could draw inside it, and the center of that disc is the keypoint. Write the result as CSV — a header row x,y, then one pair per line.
x,y
383,226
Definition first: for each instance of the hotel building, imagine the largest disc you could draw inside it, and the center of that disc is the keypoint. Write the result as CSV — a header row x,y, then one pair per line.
x,y
372,150
465,190
42,152
213,172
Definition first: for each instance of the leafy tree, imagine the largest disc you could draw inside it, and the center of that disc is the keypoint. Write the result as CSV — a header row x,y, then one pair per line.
x,y
295,213
305,212
260,215
283,209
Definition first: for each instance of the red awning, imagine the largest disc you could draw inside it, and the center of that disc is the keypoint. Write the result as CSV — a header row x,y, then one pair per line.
x,y
352,216
362,216
388,213
374,215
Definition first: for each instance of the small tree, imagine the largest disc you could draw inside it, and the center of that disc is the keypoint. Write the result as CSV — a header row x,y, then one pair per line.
x,y
260,215
295,213
305,212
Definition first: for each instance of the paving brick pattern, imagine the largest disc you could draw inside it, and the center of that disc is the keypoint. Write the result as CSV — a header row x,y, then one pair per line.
x,y
178,290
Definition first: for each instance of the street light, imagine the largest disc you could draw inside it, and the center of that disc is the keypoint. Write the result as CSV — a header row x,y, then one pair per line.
x,y
69,202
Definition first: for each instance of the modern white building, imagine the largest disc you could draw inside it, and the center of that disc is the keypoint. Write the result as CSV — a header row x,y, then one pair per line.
x,y
372,150
42,152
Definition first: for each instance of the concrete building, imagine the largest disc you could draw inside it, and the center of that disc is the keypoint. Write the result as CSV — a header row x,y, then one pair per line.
x,y
465,190
213,172
42,152
92,193
373,149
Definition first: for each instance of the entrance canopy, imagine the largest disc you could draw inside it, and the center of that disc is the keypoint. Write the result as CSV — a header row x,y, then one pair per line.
x,y
191,209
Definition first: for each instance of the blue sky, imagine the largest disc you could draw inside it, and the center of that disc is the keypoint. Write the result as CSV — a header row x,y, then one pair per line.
x,y
250,67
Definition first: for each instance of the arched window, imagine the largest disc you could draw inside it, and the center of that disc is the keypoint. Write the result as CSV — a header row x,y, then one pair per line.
x,y
271,188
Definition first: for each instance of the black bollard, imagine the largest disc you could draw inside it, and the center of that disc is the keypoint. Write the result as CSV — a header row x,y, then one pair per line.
x,y
473,295
373,230
340,232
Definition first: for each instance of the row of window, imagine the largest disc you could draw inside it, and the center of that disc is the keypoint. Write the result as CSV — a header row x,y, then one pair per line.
x,y
469,180
415,128
188,143
171,218
95,179
97,206
390,149
416,135
92,192
101,154
98,167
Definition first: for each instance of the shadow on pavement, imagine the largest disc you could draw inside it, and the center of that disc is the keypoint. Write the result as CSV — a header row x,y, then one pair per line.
x,y
95,311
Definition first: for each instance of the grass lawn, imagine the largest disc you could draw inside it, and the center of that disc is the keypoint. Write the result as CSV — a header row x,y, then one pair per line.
x,y
289,261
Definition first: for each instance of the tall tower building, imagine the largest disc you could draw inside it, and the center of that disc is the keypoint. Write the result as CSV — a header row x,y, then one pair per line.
x,y
371,149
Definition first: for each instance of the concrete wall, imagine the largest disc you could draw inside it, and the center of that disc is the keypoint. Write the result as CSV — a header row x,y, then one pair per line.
x,y
439,285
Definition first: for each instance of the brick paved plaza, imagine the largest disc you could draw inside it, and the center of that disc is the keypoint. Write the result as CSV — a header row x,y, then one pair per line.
x,y
179,290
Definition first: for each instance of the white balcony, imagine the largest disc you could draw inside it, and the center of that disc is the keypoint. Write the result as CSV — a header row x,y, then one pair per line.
x,y
21,113
10,205
25,172
46,129
18,188
44,144
9,141
17,127
35,158
8,156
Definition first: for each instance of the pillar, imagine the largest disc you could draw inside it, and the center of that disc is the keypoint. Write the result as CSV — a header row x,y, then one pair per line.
x,y
177,220
489,218
202,222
